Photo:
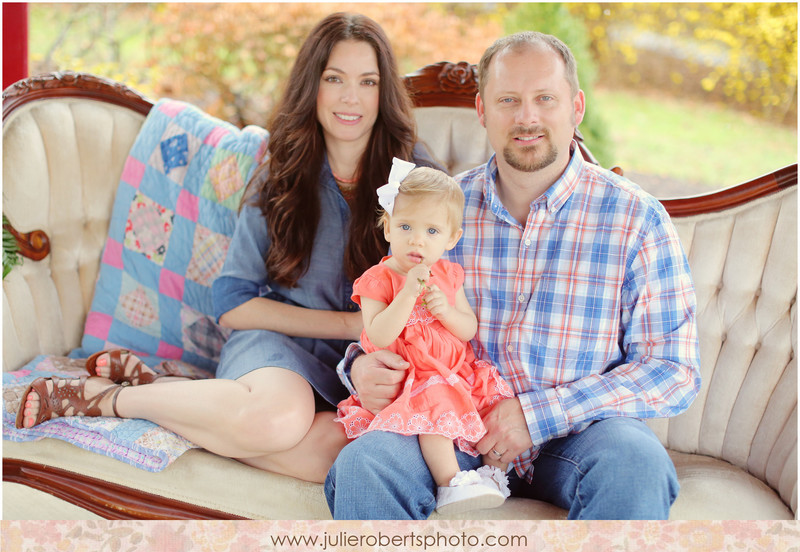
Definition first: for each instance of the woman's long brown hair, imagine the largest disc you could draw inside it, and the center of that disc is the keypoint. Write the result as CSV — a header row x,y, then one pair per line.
x,y
286,187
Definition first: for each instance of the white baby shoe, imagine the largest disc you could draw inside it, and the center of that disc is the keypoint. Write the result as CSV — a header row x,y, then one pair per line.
x,y
496,476
468,490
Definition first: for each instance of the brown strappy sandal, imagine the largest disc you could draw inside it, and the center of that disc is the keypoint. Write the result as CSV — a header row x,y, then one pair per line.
x,y
68,394
138,376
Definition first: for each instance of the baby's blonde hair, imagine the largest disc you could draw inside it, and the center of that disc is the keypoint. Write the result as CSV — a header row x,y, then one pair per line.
x,y
425,181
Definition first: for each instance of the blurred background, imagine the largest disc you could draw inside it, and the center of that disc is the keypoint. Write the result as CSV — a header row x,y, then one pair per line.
x,y
685,97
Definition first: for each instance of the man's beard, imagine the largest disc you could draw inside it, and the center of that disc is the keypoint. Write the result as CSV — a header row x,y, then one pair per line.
x,y
521,161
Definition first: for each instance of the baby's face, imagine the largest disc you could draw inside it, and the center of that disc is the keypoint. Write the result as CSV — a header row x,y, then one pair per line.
x,y
419,231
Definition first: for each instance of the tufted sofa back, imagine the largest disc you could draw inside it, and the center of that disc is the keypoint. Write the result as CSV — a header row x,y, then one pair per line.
x,y
744,267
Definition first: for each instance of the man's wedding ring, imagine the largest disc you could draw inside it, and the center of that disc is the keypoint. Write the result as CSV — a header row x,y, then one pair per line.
x,y
498,454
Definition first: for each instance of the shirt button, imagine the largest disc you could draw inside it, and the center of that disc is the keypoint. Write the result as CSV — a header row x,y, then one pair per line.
x,y
521,298
510,348
528,242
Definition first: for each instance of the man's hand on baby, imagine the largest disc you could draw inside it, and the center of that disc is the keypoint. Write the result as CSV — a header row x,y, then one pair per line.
x,y
377,378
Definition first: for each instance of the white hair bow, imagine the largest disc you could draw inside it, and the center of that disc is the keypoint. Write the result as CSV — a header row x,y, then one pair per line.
x,y
388,192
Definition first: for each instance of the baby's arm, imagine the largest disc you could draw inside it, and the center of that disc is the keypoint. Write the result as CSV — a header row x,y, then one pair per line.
x,y
384,323
459,319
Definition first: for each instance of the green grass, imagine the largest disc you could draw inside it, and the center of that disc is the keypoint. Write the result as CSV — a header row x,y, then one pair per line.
x,y
706,144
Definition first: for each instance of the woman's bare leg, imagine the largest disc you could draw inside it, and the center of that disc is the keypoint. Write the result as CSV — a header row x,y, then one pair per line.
x,y
266,411
312,457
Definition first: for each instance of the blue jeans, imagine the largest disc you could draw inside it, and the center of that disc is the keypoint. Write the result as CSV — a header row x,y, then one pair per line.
x,y
614,469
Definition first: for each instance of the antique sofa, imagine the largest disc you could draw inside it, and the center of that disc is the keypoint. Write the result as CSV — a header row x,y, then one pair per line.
x,y
66,138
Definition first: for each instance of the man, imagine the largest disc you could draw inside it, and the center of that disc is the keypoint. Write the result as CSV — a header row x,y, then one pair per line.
x,y
585,305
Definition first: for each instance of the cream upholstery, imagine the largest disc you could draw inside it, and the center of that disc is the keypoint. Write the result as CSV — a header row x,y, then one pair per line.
x,y
454,137
62,160
744,266
735,449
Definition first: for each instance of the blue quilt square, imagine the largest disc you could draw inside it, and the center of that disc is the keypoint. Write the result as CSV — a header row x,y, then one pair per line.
x,y
175,152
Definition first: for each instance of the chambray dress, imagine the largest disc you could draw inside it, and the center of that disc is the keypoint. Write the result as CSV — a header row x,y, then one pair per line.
x,y
324,286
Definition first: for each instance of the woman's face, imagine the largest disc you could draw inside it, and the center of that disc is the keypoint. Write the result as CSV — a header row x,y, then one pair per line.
x,y
348,97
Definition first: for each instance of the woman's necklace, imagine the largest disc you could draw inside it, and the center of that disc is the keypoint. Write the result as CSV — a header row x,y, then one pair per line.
x,y
346,187
343,180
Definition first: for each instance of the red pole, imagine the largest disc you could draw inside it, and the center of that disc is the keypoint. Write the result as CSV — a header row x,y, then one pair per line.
x,y
15,42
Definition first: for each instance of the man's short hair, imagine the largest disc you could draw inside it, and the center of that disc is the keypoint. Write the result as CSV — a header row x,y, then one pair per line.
x,y
529,38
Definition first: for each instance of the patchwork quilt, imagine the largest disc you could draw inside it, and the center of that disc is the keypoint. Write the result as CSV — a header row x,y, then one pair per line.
x,y
173,217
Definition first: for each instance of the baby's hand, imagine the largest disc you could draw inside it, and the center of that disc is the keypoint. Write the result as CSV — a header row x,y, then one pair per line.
x,y
436,302
417,279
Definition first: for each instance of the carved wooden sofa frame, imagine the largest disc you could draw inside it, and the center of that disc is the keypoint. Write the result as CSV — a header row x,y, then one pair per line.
x,y
701,441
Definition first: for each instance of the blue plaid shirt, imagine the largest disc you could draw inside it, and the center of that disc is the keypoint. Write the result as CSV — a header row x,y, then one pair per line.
x,y
588,310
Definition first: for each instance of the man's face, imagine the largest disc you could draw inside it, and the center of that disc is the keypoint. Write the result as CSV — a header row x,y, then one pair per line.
x,y
529,111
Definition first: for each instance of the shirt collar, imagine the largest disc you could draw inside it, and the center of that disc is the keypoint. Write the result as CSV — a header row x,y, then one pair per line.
x,y
490,191
326,174
556,195
561,190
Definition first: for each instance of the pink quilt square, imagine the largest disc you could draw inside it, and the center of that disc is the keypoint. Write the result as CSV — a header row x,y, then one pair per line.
x,y
171,284
112,254
133,172
172,108
215,136
98,325
165,350
187,205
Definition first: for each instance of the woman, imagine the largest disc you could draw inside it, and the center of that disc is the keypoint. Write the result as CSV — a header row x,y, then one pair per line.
x,y
306,230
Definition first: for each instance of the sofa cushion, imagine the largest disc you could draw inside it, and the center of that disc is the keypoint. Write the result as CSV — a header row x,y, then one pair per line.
x,y
254,494
172,219
710,488
715,489
453,136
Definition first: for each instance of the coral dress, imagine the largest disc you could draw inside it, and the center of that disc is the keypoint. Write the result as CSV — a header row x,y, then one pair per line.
x,y
447,389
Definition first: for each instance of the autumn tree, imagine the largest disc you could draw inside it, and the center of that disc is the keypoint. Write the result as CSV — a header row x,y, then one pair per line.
x,y
232,59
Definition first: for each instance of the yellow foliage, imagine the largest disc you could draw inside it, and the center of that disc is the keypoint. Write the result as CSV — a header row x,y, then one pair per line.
x,y
751,47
